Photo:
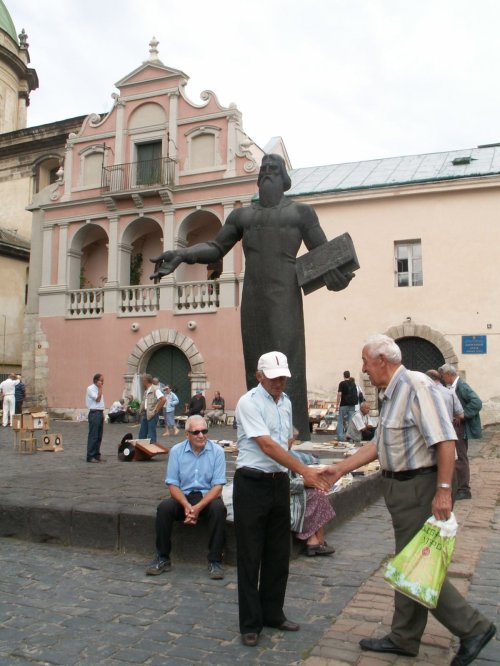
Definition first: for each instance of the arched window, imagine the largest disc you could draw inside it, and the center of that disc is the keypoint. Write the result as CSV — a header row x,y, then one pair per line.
x,y
45,172
203,148
91,162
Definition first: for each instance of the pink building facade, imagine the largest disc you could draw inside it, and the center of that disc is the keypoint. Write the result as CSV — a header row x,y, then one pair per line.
x,y
157,172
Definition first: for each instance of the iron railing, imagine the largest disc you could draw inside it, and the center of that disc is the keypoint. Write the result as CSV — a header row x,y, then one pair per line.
x,y
138,175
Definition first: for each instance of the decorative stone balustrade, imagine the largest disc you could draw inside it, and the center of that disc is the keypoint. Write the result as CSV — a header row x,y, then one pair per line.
x,y
85,303
200,296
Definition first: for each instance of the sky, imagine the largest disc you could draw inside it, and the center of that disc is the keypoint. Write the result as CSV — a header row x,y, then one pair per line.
x,y
338,80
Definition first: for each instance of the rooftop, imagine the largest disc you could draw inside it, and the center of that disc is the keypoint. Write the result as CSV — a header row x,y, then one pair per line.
x,y
406,170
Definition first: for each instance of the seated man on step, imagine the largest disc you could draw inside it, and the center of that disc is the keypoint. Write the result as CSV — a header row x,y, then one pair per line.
x,y
196,472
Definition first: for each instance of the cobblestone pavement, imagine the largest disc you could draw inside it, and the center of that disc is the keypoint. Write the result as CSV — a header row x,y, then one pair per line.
x,y
65,606
68,606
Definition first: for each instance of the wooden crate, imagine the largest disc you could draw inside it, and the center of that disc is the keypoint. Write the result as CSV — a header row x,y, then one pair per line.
x,y
27,445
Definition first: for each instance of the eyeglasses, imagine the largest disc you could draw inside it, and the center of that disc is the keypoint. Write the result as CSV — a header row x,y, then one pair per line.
x,y
198,432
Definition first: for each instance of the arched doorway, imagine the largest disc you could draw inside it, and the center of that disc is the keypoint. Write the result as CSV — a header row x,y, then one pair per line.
x,y
419,354
172,367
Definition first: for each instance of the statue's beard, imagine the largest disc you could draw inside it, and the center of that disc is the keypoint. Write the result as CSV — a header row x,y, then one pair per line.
x,y
270,190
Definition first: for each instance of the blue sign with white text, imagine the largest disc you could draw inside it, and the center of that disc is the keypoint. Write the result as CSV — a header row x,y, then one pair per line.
x,y
473,344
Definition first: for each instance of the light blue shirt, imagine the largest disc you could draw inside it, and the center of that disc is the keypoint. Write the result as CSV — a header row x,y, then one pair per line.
x,y
257,414
172,401
91,398
189,471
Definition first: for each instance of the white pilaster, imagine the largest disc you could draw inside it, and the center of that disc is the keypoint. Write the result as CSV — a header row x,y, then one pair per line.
x,y
63,254
113,252
47,257
119,140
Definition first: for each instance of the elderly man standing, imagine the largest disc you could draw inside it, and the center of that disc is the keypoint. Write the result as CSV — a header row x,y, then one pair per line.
x,y
196,473
151,408
7,389
415,445
467,427
171,401
261,498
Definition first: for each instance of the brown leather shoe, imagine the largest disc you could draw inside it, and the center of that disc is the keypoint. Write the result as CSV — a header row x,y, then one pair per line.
x,y
250,640
288,625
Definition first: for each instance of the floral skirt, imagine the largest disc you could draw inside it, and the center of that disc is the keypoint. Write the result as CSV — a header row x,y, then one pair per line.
x,y
318,513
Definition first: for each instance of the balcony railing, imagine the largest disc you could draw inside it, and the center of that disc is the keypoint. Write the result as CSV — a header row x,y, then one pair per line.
x,y
138,175
85,303
139,300
144,300
197,296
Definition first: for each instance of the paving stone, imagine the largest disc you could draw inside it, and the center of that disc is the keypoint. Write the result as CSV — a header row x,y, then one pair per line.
x,y
68,605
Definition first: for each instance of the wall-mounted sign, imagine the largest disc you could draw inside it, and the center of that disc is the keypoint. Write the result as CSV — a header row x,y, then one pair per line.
x,y
473,344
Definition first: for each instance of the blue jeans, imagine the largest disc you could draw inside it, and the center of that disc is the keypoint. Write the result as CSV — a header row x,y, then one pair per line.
x,y
347,411
148,428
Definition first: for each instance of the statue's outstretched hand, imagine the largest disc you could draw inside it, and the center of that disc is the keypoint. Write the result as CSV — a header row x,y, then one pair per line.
x,y
336,280
165,264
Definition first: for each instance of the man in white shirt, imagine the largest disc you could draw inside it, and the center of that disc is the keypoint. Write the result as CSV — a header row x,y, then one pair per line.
x,y
117,412
95,404
7,389
361,426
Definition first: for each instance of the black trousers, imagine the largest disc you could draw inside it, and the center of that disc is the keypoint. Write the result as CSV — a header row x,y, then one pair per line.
x,y
169,510
96,423
262,527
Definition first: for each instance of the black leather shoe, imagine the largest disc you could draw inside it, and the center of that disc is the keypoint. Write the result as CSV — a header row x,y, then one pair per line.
x,y
384,645
463,495
471,647
250,640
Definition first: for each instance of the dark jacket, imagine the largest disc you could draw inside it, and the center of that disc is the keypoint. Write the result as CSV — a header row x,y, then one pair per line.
x,y
471,404
19,392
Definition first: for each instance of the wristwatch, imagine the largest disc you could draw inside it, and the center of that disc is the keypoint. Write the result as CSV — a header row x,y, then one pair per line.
x,y
444,485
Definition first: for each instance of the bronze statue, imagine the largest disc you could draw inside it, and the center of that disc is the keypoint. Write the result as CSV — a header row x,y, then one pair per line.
x,y
272,231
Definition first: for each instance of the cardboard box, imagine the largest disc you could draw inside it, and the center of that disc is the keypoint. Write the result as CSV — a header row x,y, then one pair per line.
x,y
51,442
35,421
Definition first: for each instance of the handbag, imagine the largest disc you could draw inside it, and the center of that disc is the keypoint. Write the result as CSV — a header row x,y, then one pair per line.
x,y
418,571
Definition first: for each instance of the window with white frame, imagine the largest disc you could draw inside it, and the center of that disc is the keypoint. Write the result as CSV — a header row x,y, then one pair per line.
x,y
203,148
408,263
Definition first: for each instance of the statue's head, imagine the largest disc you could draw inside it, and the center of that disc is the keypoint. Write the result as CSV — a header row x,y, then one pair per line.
x,y
272,165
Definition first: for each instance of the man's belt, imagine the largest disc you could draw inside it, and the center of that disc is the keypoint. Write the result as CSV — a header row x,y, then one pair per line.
x,y
252,473
409,473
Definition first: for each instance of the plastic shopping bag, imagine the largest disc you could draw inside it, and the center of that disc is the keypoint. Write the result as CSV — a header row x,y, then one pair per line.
x,y
419,570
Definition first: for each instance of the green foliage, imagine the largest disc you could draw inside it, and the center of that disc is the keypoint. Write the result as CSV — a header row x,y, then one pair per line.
x,y
136,268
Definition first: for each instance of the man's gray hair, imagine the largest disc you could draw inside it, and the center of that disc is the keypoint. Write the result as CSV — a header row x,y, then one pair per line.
x,y
195,417
449,369
383,344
